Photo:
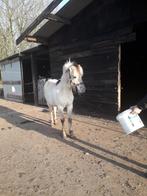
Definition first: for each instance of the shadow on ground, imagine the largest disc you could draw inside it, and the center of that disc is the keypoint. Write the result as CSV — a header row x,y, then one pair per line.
x,y
42,126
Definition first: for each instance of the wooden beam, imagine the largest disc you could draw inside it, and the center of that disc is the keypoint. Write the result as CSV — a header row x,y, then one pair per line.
x,y
38,20
57,19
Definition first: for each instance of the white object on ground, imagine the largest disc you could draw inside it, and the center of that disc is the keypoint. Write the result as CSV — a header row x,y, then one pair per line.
x,y
129,122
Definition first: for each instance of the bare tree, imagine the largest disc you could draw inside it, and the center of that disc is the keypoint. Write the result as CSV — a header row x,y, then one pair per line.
x,y
15,16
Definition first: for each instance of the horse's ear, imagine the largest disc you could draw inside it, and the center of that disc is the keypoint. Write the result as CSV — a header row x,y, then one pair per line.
x,y
80,69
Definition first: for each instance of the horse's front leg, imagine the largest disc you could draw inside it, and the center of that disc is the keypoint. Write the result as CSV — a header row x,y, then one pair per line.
x,y
55,115
51,114
69,114
61,112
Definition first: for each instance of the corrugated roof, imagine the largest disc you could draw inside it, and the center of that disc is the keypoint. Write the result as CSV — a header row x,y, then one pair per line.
x,y
54,23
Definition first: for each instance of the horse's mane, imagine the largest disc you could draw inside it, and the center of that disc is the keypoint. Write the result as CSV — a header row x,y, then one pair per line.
x,y
68,64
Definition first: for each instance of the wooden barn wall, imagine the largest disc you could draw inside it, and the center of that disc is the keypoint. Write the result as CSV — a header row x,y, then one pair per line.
x,y
87,41
99,62
105,19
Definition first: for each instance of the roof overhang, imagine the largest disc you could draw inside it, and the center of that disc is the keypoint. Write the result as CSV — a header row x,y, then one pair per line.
x,y
49,23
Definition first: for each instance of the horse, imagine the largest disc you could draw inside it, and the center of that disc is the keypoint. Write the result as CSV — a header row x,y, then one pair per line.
x,y
59,94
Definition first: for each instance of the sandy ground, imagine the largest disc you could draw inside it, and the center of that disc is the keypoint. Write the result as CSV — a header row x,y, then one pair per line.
x,y
36,161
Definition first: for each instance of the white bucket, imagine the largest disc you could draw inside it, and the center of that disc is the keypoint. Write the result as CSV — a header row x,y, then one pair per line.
x,y
129,122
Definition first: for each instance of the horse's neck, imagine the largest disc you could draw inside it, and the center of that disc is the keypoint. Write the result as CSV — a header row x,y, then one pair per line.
x,y
65,83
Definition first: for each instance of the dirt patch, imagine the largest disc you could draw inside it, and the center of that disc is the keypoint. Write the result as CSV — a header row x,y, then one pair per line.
x,y
36,161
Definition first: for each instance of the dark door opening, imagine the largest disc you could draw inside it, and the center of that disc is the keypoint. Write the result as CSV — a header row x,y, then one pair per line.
x,y
28,83
35,66
43,72
134,69
43,65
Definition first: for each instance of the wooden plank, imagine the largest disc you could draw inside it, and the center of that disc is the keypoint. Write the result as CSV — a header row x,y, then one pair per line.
x,y
18,97
22,78
119,79
34,79
5,82
56,18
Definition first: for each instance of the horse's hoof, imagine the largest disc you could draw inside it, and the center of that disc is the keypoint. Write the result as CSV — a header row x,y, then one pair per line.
x,y
64,136
55,123
71,134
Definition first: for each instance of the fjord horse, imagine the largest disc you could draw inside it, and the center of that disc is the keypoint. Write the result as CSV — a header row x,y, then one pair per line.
x,y
59,94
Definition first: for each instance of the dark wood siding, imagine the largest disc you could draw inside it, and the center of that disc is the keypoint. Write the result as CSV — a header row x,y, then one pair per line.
x,y
103,19
100,63
87,41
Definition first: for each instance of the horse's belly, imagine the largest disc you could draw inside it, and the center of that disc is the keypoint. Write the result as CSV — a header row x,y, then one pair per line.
x,y
49,92
51,99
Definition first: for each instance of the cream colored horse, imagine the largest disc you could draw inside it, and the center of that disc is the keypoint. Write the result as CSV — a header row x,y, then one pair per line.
x,y
59,94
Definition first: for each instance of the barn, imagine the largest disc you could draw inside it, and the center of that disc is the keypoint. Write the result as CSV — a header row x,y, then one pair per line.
x,y
108,38
21,81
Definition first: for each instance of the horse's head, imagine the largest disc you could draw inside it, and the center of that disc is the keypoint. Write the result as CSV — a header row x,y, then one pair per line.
x,y
75,73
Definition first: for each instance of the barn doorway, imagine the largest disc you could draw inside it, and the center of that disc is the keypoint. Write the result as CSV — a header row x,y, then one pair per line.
x,y
134,68
35,67
27,81
43,72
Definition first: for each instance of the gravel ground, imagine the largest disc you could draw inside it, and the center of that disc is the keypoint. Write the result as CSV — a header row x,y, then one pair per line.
x,y
100,161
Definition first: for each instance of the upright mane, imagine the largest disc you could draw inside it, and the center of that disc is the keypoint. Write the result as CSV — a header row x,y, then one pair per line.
x,y
67,65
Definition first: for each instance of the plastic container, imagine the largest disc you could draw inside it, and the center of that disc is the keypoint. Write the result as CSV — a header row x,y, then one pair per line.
x,y
129,122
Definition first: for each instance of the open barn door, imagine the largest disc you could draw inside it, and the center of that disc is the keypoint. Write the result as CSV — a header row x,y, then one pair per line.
x,y
134,69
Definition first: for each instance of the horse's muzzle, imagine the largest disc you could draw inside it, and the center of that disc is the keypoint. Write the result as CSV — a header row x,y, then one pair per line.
x,y
80,88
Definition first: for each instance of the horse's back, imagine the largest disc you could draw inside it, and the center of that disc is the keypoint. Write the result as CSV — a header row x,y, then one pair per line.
x,y
50,83
49,88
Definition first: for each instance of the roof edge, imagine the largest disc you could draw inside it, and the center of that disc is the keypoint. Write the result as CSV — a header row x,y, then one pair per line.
x,y
38,20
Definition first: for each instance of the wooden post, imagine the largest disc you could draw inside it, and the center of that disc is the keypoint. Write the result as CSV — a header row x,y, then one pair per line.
x,y
119,78
34,79
22,78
